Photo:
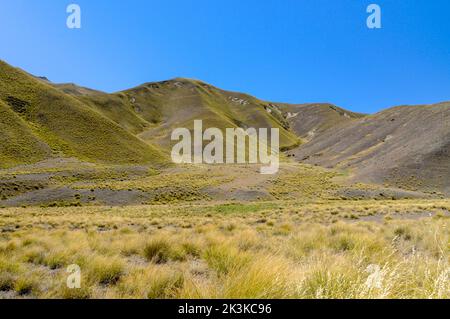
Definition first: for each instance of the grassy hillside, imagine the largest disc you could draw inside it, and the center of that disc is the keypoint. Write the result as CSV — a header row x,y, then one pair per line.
x,y
310,120
68,125
153,110
18,144
113,106
406,146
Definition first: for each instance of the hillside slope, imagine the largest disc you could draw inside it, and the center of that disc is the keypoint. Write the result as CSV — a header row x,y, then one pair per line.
x,y
153,110
406,146
18,144
177,103
312,119
69,126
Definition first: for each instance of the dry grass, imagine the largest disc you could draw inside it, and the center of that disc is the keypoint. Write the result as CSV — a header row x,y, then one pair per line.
x,y
271,250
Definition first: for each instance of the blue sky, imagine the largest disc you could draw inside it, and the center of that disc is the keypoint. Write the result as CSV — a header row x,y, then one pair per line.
x,y
288,51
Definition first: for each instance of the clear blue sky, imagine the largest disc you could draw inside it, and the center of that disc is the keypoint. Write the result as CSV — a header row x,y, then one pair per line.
x,y
280,50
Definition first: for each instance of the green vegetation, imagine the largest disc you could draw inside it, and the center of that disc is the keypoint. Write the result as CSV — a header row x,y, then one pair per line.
x,y
178,102
19,144
304,182
85,179
47,120
62,122
285,250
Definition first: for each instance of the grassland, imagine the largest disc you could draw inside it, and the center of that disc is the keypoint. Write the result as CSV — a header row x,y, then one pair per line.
x,y
85,179
209,231
66,182
46,118
289,249
18,144
42,120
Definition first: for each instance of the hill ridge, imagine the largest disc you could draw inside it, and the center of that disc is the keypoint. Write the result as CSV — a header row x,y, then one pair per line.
x,y
405,145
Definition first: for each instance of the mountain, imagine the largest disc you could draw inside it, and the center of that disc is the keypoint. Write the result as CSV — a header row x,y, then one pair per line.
x,y
405,146
40,121
133,126
18,144
312,119
153,110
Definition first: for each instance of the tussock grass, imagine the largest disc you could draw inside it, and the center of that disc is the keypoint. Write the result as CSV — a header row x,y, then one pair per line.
x,y
157,251
306,251
106,271
35,116
224,259
262,277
